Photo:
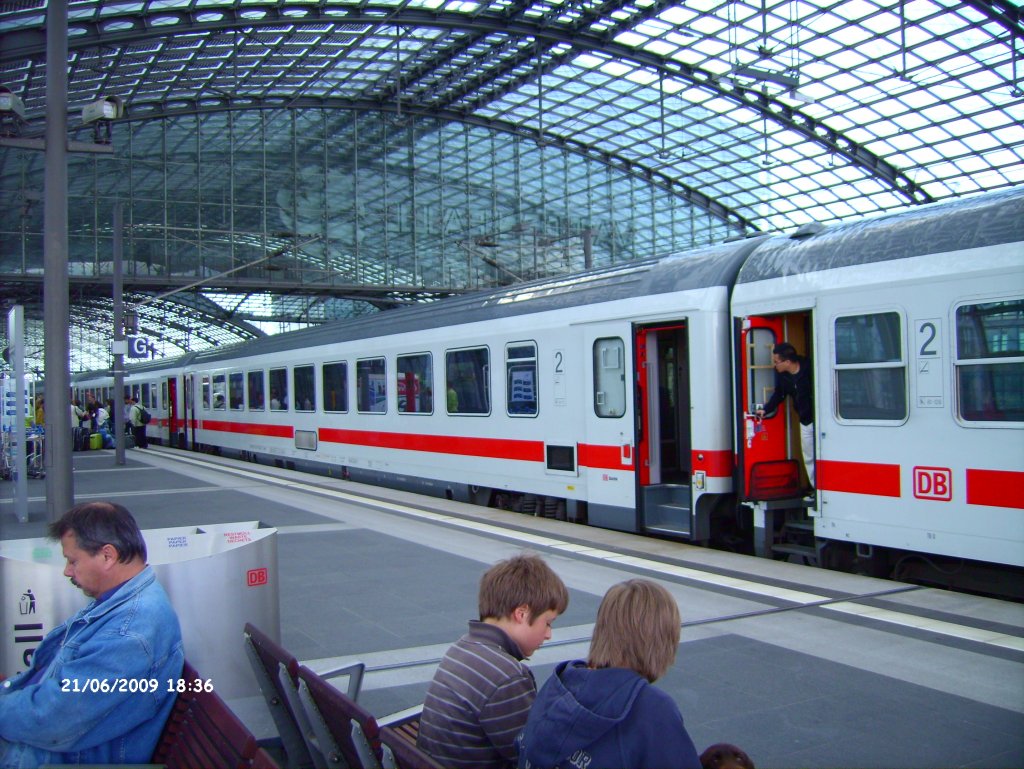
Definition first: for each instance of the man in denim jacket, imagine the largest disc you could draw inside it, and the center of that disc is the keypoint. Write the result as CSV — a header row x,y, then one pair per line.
x,y
97,691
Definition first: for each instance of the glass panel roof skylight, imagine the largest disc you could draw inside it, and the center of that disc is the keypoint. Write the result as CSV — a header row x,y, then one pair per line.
x,y
766,113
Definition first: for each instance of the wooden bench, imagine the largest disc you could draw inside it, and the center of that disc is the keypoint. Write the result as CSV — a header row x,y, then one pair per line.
x,y
323,727
277,673
202,733
398,744
347,734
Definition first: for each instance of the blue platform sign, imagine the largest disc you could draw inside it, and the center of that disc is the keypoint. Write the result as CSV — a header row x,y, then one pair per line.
x,y
138,347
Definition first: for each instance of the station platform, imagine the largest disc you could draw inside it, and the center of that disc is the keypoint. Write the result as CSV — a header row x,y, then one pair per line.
x,y
799,666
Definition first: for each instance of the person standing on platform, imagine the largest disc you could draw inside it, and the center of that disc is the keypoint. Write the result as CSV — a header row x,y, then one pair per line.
x,y
135,420
97,690
793,378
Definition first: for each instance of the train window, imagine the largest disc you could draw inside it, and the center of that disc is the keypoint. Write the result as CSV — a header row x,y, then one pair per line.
x,y
521,379
144,402
236,396
371,386
335,381
305,388
415,385
990,361
468,387
220,392
871,374
278,389
206,392
163,393
609,377
254,389
254,384
760,371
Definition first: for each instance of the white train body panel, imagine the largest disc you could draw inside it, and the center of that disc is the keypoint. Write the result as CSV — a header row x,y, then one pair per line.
x,y
626,394
927,479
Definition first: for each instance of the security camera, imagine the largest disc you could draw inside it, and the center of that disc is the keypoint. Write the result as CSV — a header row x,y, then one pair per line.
x,y
107,108
11,103
12,112
99,114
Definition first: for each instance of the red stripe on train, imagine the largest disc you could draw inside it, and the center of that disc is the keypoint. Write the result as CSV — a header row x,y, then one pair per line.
x,y
858,477
604,457
601,457
995,488
495,448
245,428
717,464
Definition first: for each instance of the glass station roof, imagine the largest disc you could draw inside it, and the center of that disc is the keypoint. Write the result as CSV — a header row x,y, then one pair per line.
x,y
705,117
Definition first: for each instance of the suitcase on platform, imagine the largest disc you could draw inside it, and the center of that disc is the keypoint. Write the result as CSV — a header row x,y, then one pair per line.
x,y
95,441
80,439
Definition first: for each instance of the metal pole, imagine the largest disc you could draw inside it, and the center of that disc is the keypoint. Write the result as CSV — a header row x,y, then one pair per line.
x,y
60,489
117,412
19,455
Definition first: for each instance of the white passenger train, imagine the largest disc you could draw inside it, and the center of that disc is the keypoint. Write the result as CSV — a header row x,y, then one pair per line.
x,y
625,397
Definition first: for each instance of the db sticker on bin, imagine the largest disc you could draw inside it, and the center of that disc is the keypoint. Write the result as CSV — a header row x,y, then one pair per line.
x,y
256,577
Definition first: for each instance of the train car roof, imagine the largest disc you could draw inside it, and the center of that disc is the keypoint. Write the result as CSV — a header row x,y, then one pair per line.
x,y
974,222
702,268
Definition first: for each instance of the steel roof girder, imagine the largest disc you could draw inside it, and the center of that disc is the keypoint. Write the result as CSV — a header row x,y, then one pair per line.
x,y
230,18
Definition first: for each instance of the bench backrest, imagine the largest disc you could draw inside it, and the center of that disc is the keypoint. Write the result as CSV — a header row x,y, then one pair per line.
x,y
203,732
277,673
345,730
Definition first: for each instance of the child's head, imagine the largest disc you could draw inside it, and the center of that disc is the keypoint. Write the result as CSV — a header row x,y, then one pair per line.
x,y
523,595
637,628
725,756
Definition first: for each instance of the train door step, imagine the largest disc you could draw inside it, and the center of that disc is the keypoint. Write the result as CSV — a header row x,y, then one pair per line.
x,y
802,526
667,509
808,552
797,538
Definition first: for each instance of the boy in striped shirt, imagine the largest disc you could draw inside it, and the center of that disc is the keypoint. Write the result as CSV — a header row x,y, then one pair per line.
x,y
482,691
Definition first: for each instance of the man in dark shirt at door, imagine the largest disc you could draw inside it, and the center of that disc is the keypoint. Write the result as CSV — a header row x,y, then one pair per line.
x,y
793,377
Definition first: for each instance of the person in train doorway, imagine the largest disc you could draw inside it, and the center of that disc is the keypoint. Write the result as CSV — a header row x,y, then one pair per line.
x,y
482,691
135,420
96,691
793,378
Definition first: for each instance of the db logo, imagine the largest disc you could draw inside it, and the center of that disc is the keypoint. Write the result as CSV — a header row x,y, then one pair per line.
x,y
933,483
256,577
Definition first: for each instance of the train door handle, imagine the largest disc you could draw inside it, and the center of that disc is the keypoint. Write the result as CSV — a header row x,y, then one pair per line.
x,y
626,453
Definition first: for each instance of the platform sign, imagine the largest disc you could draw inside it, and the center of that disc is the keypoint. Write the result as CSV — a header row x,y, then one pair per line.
x,y
139,347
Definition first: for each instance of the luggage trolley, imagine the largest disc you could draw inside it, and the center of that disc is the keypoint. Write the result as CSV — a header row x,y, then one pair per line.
x,y
35,445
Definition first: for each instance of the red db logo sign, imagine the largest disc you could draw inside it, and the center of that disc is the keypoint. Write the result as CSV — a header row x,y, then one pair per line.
x,y
256,577
933,483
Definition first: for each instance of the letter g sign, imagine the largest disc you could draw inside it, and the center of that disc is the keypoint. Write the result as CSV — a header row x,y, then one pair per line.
x,y
138,347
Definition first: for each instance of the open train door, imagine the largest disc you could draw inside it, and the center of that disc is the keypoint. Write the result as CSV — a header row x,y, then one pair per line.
x,y
174,423
767,471
663,428
188,412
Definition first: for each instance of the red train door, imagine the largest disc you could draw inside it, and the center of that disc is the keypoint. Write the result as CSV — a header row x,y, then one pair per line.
x,y
663,405
643,433
173,420
762,445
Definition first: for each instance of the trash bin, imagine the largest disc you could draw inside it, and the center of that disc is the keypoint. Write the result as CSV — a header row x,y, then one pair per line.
x,y
36,597
218,577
